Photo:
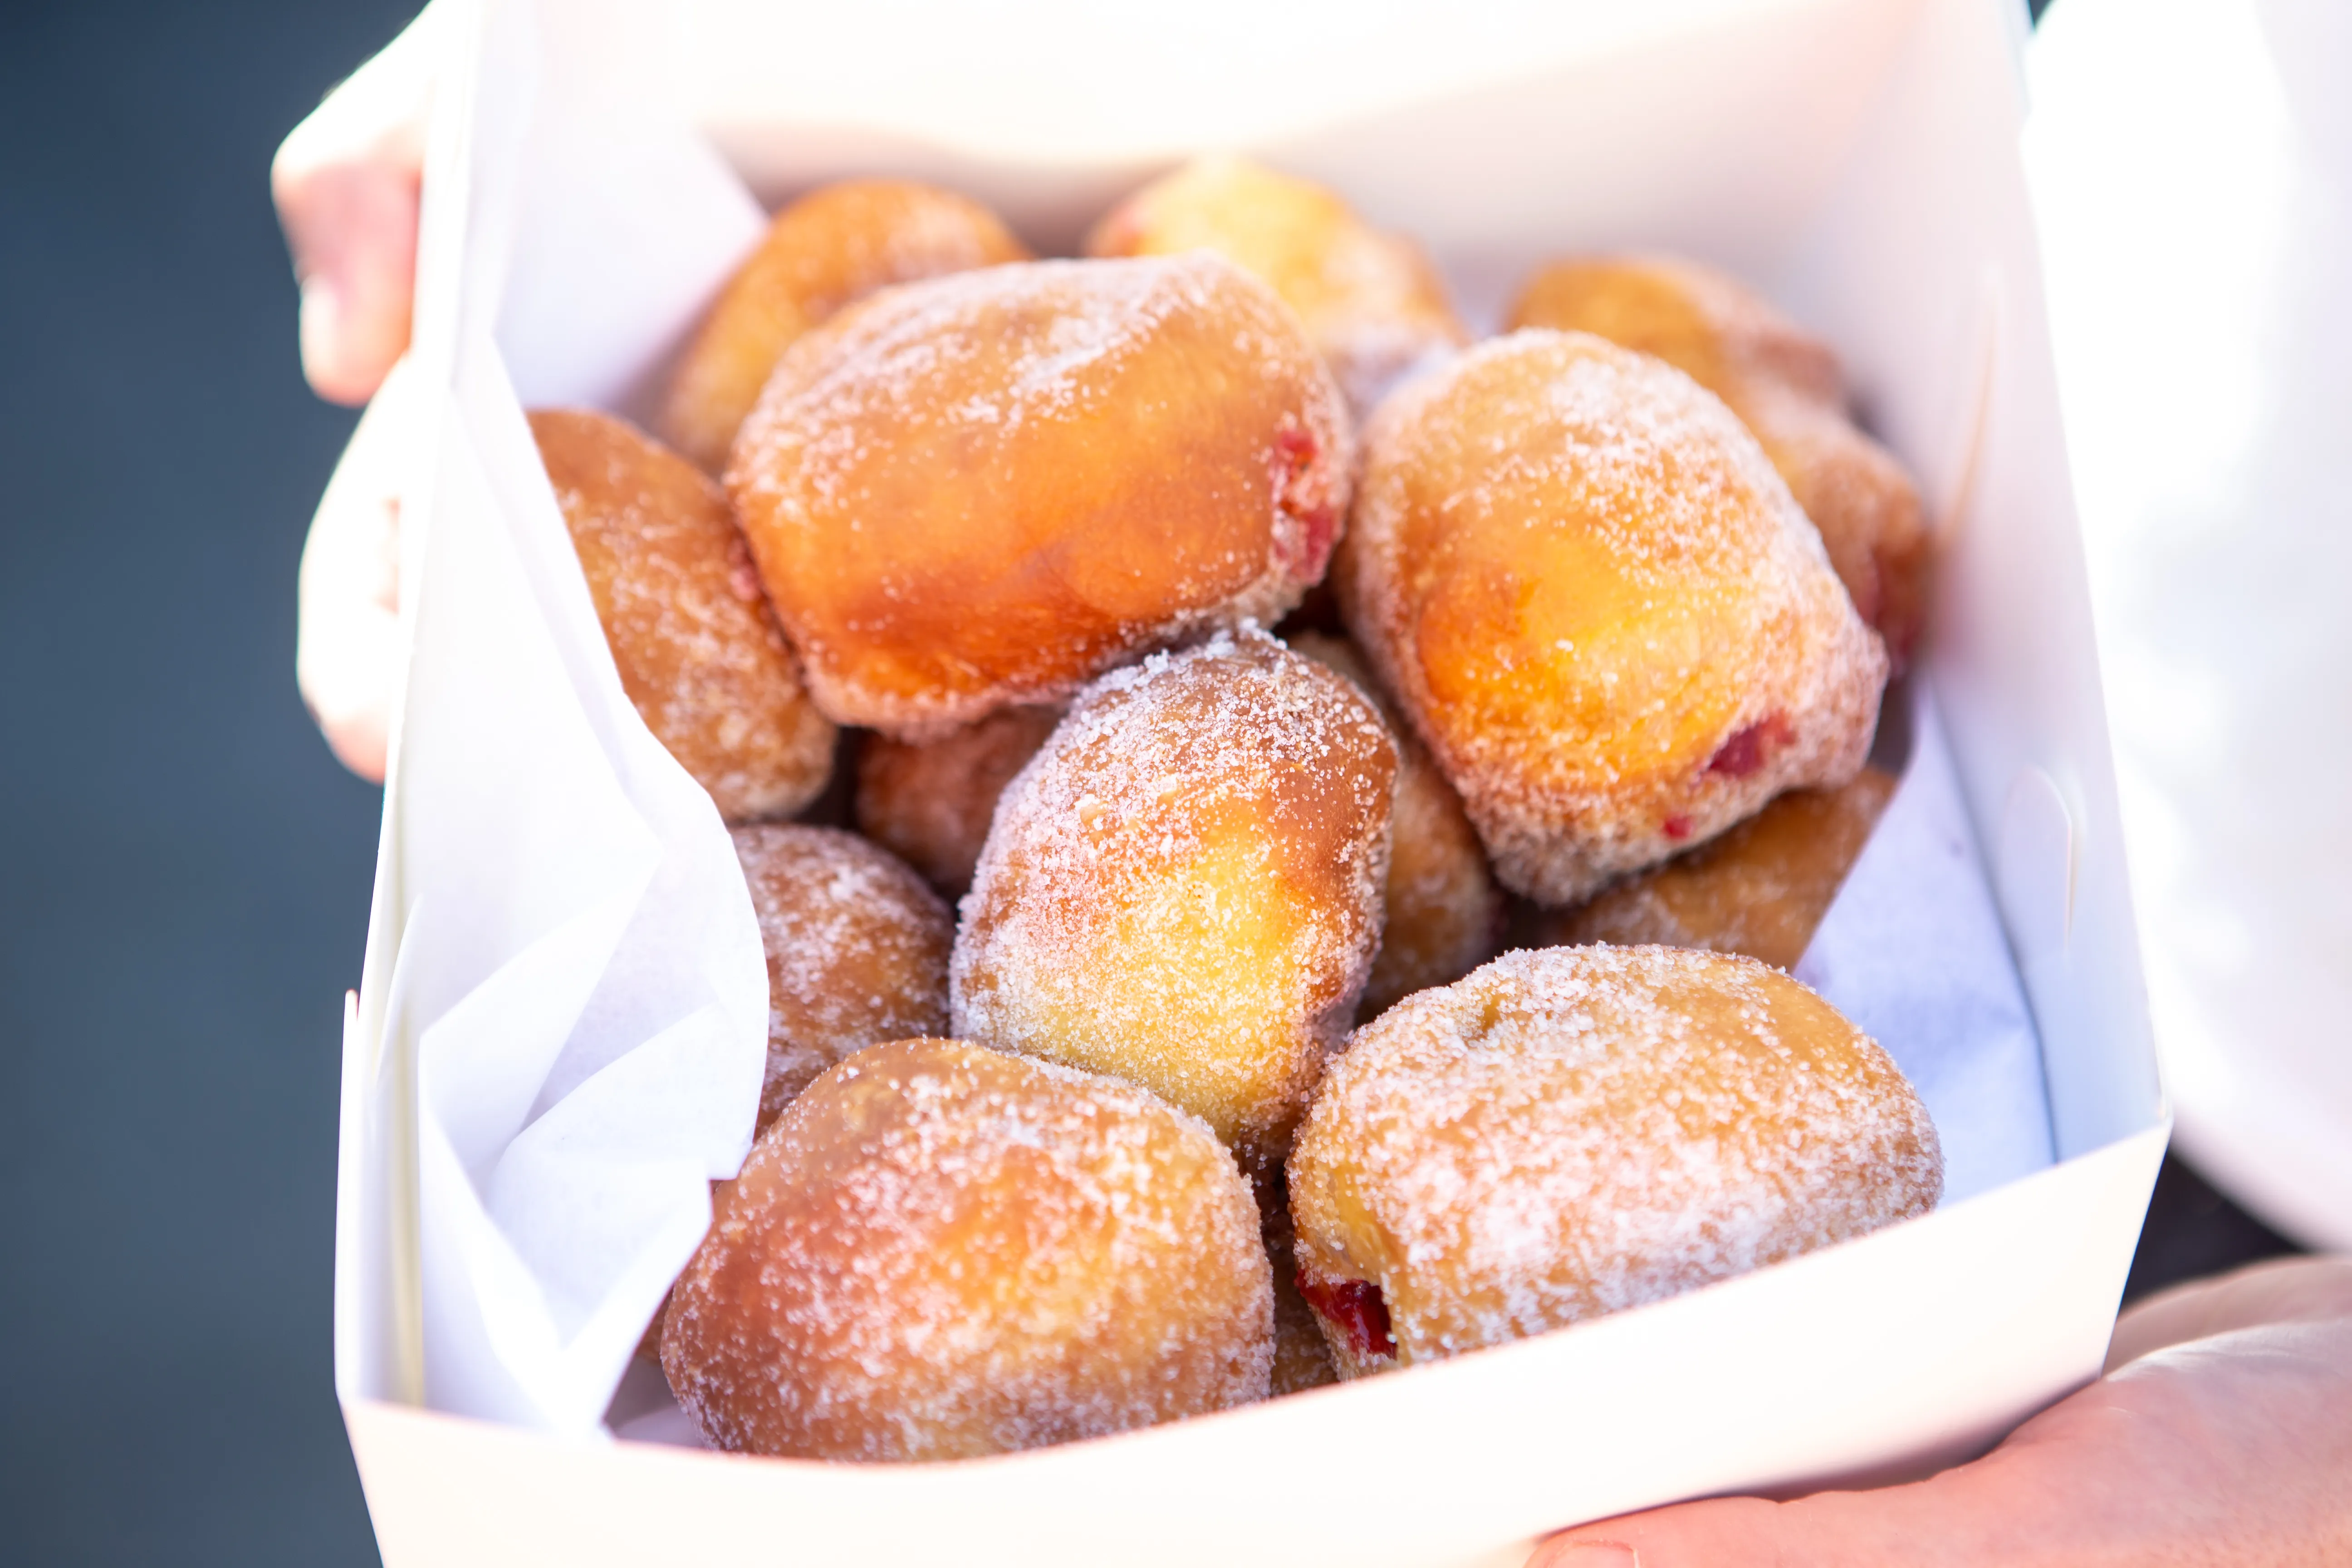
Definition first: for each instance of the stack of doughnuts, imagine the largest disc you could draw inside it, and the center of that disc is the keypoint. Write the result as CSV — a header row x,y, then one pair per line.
x,y
1211,1086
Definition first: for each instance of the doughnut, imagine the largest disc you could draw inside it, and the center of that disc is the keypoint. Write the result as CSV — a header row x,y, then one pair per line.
x,y
987,488
930,802
940,1251
857,950
1372,302
1443,915
1598,607
1571,1132
1787,386
1183,888
1760,889
837,244
697,652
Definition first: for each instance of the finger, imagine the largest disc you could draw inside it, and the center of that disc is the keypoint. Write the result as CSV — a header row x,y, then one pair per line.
x,y
347,182
1913,1527
348,652
2046,1498
2286,1289
2230,1450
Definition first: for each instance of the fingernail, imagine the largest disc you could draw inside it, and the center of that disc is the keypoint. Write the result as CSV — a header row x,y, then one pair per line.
x,y
323,298
1596,1554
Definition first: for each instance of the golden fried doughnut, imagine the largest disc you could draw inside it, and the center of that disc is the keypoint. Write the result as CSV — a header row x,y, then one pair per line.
x,y
698,651
857,950
1371,300
1443,913
1572,1132
1184,889
1598,607
1760,889
987,489
1786,385
930,802
940,1251
837,244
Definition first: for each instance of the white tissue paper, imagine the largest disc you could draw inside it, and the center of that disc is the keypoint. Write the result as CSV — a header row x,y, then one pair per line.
x,y
1913,951
578,971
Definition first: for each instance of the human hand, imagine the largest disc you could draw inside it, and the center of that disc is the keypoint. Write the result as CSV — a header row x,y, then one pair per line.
x,y
347,185
2221,1436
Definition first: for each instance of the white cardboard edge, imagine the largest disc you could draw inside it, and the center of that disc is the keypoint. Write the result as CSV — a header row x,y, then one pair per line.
x,y
2035,1263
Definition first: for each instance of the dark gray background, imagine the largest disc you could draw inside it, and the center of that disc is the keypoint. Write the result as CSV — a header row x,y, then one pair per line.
x,y
184,870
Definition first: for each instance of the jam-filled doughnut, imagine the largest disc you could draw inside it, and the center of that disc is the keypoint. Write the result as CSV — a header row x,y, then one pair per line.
x,y
1371,300
940,1251
987,488
838,243
697,652
1785,384
1443,913
857,950
1760,889
1183,888
930,802
1600,608
1571,1132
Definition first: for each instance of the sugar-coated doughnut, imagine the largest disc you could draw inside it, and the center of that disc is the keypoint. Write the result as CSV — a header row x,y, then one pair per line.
x,y
697,652
1570,1131
857,950
1786,384
987,488
1371,300
940,1251
1760,889
838,243
1598,607
1443,915
930,802
1184,886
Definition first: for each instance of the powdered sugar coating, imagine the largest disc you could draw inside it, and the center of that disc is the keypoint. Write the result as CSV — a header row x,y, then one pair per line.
x,y
1443,913
930,802
1761,889
1184,886
1572,1132
834,244
1372,302
940,1251
857,950
1600,608
1786,386
987,488
699,654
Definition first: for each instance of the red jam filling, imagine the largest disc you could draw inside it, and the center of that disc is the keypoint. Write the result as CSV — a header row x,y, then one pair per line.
x,y
1752,746
1677,827
1295,452
1296,448
1357,1307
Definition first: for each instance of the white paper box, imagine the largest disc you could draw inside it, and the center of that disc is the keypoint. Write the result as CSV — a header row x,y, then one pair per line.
x,y
1858,158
